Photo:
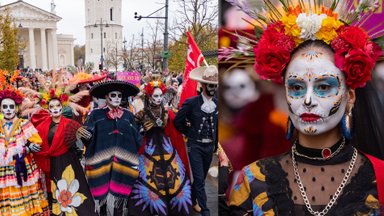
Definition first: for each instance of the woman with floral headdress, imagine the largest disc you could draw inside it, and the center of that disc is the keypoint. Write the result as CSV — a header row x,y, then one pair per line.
x,y
21,192
68,191
325,65
163,187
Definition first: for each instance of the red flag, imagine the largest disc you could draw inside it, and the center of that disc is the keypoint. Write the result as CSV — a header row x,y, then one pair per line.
x,y
194,60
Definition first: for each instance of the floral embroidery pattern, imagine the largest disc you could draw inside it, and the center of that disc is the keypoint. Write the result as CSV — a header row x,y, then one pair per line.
x,y
65,192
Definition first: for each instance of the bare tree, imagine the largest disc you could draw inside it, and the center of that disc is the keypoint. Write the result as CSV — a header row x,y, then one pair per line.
x,y
113,56
197,16
153,44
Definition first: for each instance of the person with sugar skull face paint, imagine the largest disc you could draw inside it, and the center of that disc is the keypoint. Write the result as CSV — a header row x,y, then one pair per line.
x,y
112,144
197,120
162,164
67,187
326,73
20,187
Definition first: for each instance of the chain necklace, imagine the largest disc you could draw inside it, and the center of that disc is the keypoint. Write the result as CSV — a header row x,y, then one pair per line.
x,y
158,120
334,197
294,150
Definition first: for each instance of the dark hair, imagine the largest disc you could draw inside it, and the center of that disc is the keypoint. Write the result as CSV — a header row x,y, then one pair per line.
x,y
368,121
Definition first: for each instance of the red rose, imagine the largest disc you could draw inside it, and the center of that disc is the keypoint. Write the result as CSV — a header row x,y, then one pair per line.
x,y
52,93
64,98
270,63
355,36
373,50
43,102
340,44
357,66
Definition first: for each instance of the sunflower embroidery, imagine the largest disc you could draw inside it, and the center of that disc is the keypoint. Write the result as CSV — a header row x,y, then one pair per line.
x,y
65,192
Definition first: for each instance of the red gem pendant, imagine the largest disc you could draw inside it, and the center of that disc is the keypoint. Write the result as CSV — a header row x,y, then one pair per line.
x,y
326,153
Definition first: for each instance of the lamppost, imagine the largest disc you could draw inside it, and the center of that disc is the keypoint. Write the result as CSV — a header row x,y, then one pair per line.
x,y
125,54
165,44
142,51
101,23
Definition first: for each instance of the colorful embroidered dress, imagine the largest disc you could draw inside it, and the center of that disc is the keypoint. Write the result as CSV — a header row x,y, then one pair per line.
x,y
21,193
66,183
163,187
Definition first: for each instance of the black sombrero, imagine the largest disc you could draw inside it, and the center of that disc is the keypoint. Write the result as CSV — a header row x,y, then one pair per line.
x,y
101,89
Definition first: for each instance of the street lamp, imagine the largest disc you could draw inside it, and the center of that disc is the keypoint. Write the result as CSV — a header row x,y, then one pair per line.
x,y
125,54
165,44
101,23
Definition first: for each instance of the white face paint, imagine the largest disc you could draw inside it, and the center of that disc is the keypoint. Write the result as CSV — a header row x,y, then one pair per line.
x,y
315,91
239,89
157,97
8,108
114,98
55,108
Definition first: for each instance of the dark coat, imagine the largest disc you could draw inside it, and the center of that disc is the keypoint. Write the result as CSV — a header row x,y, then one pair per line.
x,y
191,112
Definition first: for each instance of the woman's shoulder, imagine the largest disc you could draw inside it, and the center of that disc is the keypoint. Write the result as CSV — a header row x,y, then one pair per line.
x,y
262,168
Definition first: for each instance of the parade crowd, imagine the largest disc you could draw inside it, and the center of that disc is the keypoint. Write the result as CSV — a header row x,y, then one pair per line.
x,y
88,144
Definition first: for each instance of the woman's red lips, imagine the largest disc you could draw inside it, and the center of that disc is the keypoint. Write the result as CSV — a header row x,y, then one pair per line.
x,y
309,117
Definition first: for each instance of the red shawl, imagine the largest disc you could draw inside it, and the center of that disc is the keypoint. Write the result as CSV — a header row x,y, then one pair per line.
x,y
58,147
177,141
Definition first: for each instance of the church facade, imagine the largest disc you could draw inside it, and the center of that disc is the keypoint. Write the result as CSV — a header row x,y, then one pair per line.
x,y
44,49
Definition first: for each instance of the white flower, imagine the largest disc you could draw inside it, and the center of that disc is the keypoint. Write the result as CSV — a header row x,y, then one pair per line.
x,y
309,25
66,195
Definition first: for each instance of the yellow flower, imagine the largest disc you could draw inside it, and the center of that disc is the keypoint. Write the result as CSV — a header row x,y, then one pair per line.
x,y
328,29
65,192
291,28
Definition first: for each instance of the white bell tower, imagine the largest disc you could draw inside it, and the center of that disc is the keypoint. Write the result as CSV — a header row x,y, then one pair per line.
x,y
103,31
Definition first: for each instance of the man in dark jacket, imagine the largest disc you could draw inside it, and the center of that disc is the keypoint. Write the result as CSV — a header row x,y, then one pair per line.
x,y
197,120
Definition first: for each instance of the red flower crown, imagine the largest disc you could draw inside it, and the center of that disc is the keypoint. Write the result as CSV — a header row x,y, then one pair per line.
x,y
15,95
149,88
355,53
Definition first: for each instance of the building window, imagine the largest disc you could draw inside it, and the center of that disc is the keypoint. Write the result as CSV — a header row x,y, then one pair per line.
x,y
115,35
91,50
91,35
105,34
104,49
111,13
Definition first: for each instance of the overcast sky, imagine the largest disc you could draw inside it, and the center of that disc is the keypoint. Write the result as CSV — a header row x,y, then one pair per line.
x,y
73,18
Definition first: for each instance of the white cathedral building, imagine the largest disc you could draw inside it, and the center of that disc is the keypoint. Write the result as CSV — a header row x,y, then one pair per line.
x,y
37,29
103,31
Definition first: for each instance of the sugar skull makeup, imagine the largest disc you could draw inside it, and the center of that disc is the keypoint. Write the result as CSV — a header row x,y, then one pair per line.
x,y
114,98
239,89
157,97
8,108
315,91
210,89
55,108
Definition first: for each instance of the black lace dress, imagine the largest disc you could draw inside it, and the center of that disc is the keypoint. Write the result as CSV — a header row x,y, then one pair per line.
x,y
268,186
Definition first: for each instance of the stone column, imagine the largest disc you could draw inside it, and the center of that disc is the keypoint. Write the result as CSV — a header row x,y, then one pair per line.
x,y
50,49
43,50
32,54
72,57
54,49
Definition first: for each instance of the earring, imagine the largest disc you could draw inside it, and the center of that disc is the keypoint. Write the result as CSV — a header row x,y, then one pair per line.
x,y
346,124
290,129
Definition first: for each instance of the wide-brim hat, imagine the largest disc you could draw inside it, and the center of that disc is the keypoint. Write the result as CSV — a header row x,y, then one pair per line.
x,y
101,89
205,74
95,78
